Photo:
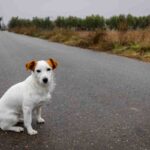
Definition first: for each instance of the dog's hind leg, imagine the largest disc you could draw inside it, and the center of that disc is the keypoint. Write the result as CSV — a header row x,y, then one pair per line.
x,y
20,119
7,124
14,128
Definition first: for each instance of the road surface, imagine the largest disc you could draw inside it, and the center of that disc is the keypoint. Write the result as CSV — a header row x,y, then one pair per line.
x,y
101,101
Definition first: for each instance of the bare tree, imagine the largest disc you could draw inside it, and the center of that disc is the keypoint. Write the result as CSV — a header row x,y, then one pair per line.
x,y
0,22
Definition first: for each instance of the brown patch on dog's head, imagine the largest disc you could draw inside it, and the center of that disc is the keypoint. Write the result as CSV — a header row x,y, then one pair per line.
x,y
31,65
52,63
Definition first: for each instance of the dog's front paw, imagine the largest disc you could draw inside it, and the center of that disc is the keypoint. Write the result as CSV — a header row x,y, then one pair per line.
x,y
32,132
40,120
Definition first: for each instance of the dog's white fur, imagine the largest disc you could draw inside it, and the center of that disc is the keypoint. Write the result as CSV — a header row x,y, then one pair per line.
x,y
22,98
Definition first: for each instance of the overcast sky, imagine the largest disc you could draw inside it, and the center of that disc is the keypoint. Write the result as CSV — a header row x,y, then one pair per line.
x,y
81,8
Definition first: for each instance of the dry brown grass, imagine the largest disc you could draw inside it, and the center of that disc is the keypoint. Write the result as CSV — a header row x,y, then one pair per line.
x,y
27,31
132,43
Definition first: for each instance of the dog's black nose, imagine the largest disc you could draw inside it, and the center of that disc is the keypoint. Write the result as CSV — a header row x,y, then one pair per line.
x,y
45,80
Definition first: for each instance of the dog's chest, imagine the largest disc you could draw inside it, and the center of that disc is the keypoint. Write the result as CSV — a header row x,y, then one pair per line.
x,y
43,97
40,98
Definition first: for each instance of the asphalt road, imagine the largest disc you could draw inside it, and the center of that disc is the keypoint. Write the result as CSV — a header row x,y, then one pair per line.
x,y
101,101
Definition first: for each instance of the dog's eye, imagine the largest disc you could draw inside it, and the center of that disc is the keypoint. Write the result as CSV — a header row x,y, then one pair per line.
x,y
38,71
48,69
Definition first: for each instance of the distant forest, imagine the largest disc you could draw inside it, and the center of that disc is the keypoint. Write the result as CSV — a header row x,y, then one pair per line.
x,y
89,23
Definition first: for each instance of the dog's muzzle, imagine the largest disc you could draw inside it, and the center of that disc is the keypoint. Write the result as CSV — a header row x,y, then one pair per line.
x,y
45,80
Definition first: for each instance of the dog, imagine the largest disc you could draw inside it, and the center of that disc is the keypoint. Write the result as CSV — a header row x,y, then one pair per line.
x,y
23,98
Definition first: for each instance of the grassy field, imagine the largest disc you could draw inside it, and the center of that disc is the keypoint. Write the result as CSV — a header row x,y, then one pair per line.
x,y
131,43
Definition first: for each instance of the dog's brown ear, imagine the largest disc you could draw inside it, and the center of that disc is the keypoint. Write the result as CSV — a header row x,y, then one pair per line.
x,y
52,63
31,65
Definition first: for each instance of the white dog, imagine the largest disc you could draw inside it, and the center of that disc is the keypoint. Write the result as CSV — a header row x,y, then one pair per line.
x,y
22,98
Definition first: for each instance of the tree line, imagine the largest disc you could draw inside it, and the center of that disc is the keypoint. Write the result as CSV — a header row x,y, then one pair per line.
x,y
121,22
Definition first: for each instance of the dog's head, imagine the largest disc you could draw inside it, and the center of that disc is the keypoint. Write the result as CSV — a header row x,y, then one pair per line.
x,y
42,70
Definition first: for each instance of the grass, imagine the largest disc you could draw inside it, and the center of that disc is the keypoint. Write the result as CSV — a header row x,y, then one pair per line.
x,y
132,43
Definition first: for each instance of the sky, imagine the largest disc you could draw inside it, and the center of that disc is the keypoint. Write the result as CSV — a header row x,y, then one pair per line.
x,y
80,8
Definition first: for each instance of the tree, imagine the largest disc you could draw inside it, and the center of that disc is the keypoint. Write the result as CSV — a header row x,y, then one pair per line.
x,y
0,22
112,22
122,23
43,23
94,21
60,22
